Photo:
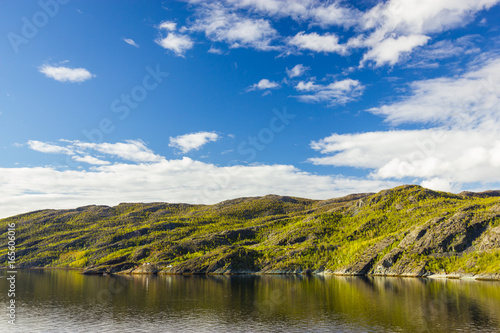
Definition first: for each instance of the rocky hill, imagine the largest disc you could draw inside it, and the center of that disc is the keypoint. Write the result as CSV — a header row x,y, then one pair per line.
x,y
405,231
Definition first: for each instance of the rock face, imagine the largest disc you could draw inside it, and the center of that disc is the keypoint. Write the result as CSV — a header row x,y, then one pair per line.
x,y
146,268
364,264
439,237
226,260
108,269
491,240
405,231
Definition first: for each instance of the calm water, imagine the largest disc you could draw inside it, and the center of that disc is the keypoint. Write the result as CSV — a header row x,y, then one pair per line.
x,y
60,301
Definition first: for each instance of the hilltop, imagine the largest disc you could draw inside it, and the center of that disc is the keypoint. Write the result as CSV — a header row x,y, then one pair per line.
x,y
404,231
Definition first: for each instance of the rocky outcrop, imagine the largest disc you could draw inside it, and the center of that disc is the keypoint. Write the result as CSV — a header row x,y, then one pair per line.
x,y
491,240
109,269
226,260
365,262
441,237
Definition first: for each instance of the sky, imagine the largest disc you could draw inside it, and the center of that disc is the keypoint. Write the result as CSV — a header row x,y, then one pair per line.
x,y
197,101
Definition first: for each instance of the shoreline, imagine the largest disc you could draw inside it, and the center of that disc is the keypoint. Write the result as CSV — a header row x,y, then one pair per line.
x,y
438,276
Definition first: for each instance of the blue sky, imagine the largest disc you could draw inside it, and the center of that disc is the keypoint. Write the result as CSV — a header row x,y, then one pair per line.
x,y
197,101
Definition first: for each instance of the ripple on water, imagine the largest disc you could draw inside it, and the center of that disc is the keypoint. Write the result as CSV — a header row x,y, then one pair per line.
x,y
61,301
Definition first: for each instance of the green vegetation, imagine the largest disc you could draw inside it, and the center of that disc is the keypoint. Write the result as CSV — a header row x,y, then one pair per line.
x,y
408,230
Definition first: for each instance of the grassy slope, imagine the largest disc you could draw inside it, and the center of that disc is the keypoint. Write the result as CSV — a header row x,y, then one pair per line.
x,y
406,230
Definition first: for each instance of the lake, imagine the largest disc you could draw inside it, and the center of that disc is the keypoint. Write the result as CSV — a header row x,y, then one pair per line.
x,y
66,301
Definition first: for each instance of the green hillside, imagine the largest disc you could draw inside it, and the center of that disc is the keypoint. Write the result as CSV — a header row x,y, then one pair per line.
x,y
408,230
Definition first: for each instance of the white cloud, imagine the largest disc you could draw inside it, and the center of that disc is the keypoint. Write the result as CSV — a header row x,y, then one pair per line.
x,y
428,57
463,148
221,25
439,184
396,27
176,43
297,71
319,13
130,42
168,25
294,8
335,93
49,148
387,32
334,14
463,100
366,150
250,32
327,42
263,84
422,16
183,180
450,48
192,141
459,156
130,150
215,50
390,50
90,160
307,86
65,74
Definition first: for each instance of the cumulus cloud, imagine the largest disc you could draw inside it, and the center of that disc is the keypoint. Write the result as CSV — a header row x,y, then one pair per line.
x,y
334,14
192,141
429,56
66,74
130,150
274,7
168,25
328,43
130,42
395,27
49,148
462,148
263,84
297,71
90,160
324,14
176,43
335,93
390,50
181,180
221,25
387,33
306,86
457,156
215,50
422,16
463,100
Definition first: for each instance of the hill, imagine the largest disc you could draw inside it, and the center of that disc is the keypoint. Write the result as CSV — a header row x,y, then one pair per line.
x,y
404,231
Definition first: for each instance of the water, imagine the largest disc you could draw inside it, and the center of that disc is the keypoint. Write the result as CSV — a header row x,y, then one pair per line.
x,y
66,301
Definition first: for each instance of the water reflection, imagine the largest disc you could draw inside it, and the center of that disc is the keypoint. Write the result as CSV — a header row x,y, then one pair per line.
x,y
62,301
